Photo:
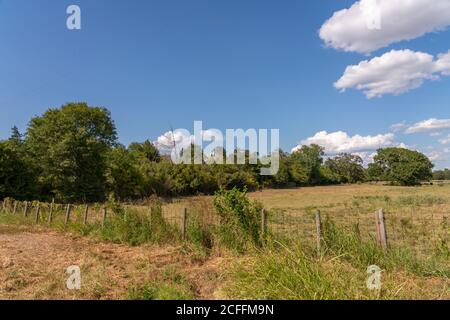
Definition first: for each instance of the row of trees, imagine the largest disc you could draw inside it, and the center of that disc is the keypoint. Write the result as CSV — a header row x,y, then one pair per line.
x,y
441,174
72,154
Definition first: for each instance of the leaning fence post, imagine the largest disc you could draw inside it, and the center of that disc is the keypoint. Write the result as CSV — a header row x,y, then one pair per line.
x,y
15,207
85,216
318,232
263,223
50,214
69,209
25,209
382,229
104,217
36,214
185,223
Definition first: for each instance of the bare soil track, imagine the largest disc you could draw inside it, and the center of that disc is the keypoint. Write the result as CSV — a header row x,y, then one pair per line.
x,y
33,264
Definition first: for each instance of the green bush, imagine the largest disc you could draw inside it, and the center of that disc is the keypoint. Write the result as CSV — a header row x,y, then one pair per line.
x,y
240,225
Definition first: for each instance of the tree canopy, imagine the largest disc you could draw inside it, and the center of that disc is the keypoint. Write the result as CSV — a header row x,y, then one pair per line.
x,y
68,148
403,166
72,154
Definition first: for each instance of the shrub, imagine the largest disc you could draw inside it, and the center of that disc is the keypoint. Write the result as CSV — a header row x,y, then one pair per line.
x,y
239,219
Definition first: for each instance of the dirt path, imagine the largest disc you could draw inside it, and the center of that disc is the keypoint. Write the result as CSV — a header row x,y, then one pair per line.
x,y
33,264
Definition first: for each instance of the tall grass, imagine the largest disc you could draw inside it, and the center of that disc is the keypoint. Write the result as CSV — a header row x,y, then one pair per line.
x,y
128,226
134,228
349,246
240,224
288,273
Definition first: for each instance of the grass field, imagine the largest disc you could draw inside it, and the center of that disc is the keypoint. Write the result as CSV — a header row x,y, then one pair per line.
x,y
417,217
416,267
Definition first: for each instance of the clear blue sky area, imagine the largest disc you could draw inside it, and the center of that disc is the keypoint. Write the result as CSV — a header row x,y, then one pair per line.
x,y
159,64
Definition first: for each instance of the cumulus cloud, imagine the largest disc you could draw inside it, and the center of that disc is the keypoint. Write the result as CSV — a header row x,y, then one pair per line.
x,y
395,72
369,25
443,64
430,125
367,157
182,139
170,140
341,142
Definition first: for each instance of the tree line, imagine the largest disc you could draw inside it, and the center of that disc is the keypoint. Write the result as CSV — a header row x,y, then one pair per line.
x,y
441,174
72,154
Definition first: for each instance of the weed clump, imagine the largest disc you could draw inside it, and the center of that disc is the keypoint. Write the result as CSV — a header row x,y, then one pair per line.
x,y
240,226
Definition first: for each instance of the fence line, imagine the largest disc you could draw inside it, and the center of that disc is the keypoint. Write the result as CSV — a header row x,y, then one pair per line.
x,y
422,234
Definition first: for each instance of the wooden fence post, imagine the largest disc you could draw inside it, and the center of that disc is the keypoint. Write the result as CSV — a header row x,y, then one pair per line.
x,y
377,226
185,224
50,214
382,228
36,214
263,223
69,209
85,216
319,232
4,206
150,218
25,209
104,217
15,207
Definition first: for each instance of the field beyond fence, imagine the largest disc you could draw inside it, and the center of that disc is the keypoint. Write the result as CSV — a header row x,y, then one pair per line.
x,y
422,232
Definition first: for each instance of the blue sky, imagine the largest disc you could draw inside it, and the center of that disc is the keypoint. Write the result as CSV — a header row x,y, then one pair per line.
x,y
232,64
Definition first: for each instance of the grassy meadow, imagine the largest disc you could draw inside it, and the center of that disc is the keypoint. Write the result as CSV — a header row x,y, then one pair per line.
x,y
287,265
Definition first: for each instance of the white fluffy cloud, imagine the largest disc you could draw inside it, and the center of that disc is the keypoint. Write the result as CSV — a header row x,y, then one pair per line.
x,y
166,142
369,25
181,139
395,72
430,125
341,142
443,64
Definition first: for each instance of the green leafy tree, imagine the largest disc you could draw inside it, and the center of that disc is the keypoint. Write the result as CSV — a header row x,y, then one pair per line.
x,y
146,149
376,173
347,168
283,177
441,174
16,176
403,166
306,164
125,180
69,147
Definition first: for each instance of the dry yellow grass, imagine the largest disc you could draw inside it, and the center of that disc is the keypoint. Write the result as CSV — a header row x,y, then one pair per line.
x,y
418,217
33,263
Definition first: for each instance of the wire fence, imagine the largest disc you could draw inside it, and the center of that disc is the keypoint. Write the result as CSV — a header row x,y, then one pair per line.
x,y
422,233
54,213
